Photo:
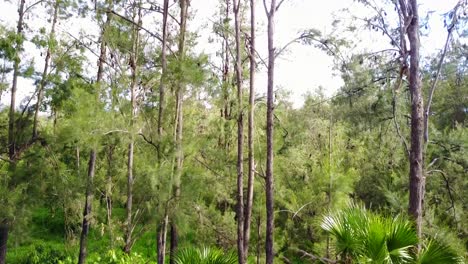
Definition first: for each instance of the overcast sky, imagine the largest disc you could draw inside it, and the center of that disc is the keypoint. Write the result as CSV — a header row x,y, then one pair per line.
x,y
302,68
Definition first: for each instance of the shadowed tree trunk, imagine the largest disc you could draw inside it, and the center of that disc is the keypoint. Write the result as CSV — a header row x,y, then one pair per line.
x,y
3,240
87,209
174,243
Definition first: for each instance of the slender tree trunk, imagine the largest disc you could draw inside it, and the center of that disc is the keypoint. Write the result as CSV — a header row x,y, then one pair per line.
x,y
110,158
4,222
129,226
92,156
416,181
250,182
87,209
163,69
329,194
162,235
184,4
11,120
42,85
240,139
130,179
270,225
451,27
225,112
259,235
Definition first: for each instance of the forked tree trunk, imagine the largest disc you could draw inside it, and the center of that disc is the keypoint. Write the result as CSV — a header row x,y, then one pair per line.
x,y
270,224
250,182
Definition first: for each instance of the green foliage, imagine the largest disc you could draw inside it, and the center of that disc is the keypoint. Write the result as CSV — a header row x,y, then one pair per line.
x,y
365,237
204,256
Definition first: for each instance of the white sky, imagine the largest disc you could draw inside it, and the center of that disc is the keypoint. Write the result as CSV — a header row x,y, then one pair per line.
x,y
301,69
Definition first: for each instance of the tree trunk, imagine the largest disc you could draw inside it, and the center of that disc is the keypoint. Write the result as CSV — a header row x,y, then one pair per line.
x,y
330,182
250,182
4,225
416,181
133,87
110,158
179,124
270,225
174,243
92,156
88,208
161,236
42,85
11,119
163,70
4,228
240,139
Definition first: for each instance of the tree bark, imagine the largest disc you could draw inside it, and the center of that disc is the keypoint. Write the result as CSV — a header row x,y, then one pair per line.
x,y
416,181
174,243
87,209
240,139
42,85
250,181
270,224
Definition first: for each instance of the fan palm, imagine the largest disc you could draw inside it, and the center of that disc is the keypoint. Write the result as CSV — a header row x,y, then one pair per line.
x,y
204,256
364,237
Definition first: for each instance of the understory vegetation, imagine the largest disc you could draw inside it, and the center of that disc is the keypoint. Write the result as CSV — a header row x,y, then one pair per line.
x,y
123,143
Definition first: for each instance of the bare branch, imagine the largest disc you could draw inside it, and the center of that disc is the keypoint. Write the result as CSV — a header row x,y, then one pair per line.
x,y
313,257
279,5
266,8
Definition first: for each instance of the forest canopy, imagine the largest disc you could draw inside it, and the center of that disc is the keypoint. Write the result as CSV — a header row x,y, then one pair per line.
x,y
133,133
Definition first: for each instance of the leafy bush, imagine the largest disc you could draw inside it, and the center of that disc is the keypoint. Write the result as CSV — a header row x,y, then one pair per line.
x,y
204,256
45,254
